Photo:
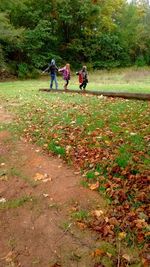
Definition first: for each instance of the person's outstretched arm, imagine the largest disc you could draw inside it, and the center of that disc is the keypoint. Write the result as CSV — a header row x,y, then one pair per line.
x,y
46,70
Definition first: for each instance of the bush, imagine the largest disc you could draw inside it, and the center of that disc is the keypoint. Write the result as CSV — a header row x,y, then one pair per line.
x,y
33,74
23,70
140,61
2,60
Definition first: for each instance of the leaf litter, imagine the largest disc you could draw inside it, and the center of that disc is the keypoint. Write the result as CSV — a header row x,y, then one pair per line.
x,y
117,152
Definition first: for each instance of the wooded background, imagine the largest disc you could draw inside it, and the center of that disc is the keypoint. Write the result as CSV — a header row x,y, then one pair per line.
x,y
98,33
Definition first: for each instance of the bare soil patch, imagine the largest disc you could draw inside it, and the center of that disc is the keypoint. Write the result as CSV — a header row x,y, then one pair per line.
x,y
40,193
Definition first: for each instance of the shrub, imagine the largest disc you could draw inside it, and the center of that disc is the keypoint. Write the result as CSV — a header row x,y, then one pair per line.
x,y
23,70
140,61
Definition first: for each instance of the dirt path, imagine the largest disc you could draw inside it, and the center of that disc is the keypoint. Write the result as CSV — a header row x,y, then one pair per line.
x,y
41,199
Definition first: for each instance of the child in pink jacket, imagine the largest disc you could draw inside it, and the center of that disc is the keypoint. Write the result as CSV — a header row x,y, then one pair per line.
x,y
66,74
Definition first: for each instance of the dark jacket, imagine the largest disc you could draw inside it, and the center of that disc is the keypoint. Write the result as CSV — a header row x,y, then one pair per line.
x,y
51,69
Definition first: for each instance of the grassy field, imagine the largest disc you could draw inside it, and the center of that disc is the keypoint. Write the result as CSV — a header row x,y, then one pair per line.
x,y
107,140
129,80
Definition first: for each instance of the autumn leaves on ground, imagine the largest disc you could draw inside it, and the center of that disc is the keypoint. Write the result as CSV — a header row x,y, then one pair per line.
x,y
93,212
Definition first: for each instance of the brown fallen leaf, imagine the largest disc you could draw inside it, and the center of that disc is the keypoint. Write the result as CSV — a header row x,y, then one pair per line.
x,y
145,262
81,225
97,213
94,186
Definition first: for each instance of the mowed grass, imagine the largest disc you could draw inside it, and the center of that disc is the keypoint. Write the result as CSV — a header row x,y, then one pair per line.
x,y
107,139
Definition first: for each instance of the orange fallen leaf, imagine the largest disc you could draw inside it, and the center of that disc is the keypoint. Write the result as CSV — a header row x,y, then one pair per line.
x,y
98,252
94,186
81,225
42,177
145,262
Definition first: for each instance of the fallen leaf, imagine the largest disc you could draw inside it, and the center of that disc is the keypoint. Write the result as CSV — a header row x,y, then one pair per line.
x,y
4,178
98,252
81,225
132,134
126,257
145,262
46,180
45,195
39,176
94,186
97,213
42,177
76,173
2,200
122,235
59,166
109,254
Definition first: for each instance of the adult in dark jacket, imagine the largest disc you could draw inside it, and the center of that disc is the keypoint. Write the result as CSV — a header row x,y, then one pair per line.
x,y
52,70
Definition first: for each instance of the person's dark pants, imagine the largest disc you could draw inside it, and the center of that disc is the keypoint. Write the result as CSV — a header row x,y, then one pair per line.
x,y
84,84
65,86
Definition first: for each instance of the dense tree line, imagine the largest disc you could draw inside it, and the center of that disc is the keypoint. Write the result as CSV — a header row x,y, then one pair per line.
x,y
100,33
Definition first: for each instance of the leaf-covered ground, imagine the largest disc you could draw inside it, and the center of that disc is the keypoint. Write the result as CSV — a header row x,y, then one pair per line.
x,y
108,141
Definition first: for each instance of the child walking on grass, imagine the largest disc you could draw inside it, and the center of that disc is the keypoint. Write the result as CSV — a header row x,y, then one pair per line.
x,y
66,74
83,77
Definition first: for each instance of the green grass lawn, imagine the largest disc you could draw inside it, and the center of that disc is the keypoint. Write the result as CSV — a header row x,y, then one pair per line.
x,y
134,80
106,139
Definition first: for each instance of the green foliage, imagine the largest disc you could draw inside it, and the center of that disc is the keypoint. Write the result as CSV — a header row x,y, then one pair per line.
x,y
90,175
124,157
140,61
25,71
102,34
2,58
55,148
22,70
80,215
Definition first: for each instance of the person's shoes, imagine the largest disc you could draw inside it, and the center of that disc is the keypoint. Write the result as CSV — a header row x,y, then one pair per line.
x,y
80,87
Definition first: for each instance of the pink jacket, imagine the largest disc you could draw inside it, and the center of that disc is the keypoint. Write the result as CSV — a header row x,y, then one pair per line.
x,y
65,72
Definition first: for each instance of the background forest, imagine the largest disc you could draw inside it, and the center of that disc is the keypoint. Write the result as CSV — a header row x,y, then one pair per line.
x,y
100,33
